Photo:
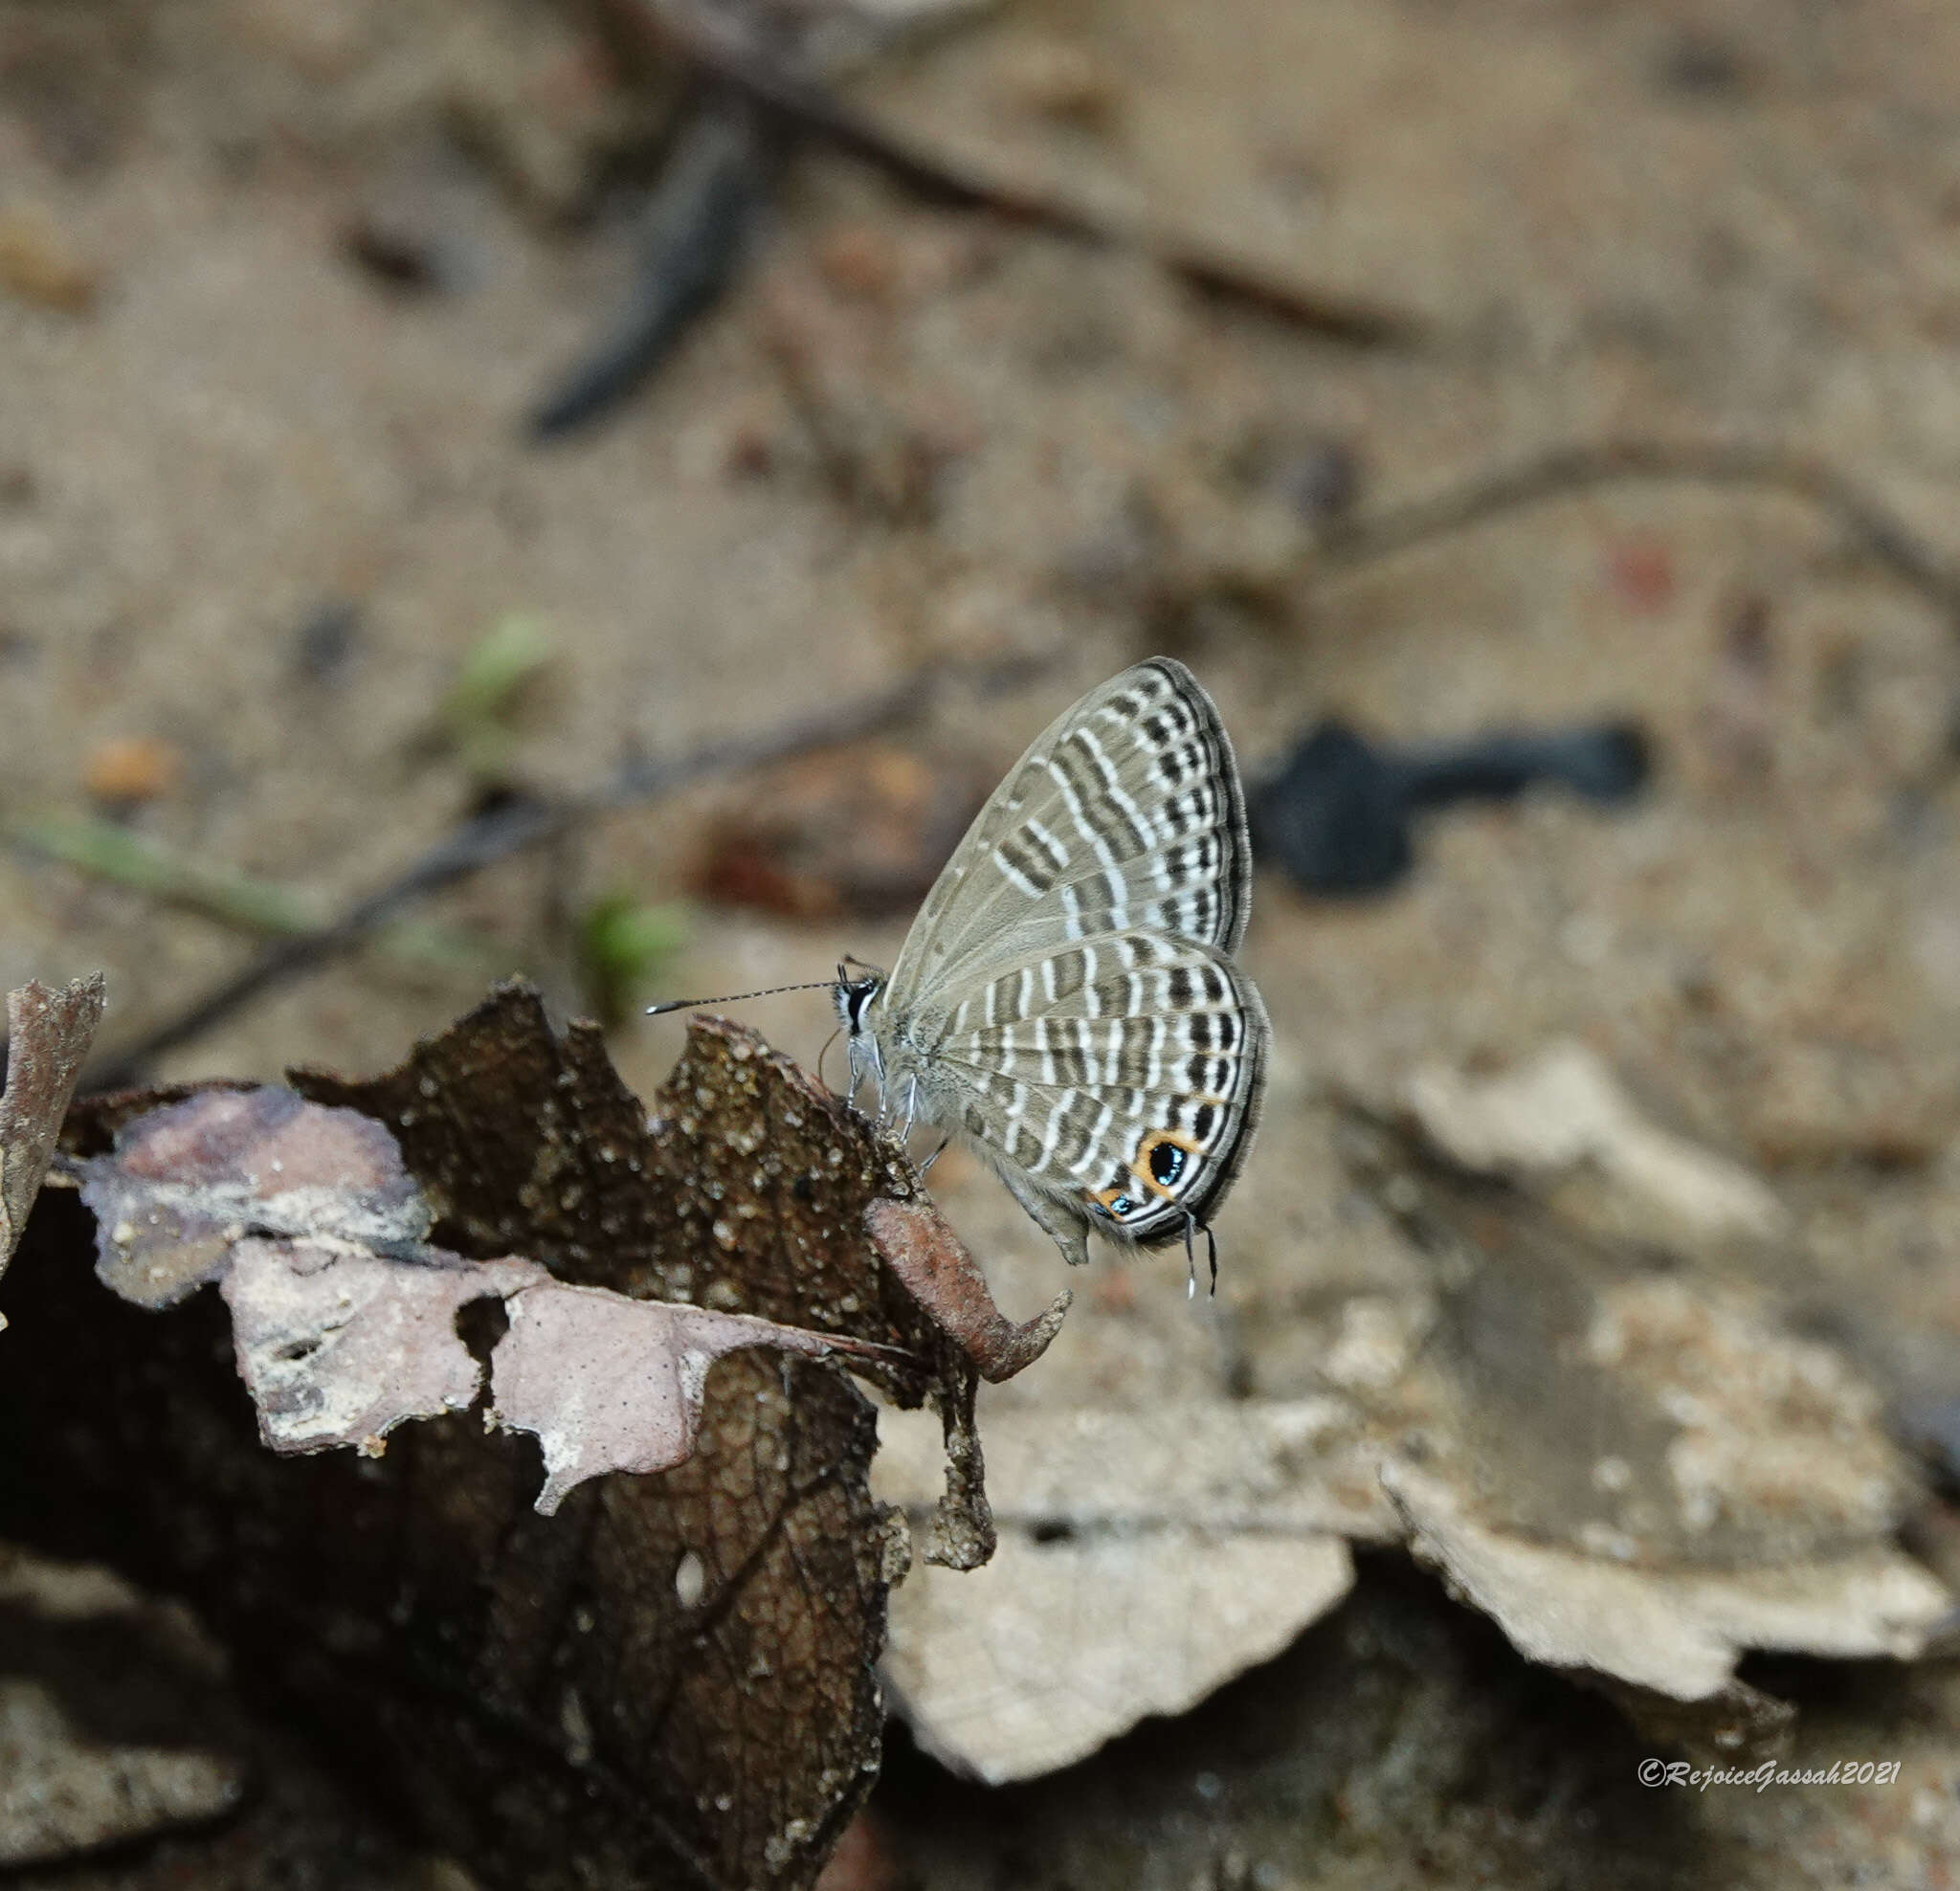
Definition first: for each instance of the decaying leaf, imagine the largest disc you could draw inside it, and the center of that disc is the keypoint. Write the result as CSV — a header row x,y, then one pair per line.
x,y
1146,1557
1564,1109
1584,1429
337,1346
766,1216
343,1318
610,1384
1675,1635
1646,1474
189,1180
671,1679
918,1245
49,1033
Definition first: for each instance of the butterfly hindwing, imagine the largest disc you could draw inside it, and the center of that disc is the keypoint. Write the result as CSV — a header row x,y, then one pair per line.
x,y
1126,1069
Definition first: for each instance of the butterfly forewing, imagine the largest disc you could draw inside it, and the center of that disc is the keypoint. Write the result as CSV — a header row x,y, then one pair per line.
x,y
1126,812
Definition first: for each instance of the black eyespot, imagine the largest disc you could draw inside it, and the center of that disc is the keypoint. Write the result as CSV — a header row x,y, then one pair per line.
x,y
1121,1206
1167,1162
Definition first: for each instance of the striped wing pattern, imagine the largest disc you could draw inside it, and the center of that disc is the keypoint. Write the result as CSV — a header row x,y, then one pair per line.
x,y
1067,995
1121,1069
1126,812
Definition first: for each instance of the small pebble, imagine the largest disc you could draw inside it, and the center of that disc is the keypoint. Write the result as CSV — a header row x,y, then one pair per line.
x,y
125,771
1701,66
40,265
1640,571
858,260
395,251
1320,480
325,641
1056,78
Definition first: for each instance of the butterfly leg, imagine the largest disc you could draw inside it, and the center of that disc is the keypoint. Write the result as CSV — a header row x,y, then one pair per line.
x,y
1067,1232
935,1155
1190,1259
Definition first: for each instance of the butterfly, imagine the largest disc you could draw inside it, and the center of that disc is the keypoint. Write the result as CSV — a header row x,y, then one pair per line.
x,y
1068,999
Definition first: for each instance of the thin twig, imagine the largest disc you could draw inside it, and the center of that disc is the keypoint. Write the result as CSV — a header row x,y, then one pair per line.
x,y
1875,530
697,228
512,829
811,108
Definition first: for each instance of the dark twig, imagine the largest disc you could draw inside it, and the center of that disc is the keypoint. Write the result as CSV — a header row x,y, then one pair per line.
x,y
511,828
809,107
1875,531
697,228
49,1038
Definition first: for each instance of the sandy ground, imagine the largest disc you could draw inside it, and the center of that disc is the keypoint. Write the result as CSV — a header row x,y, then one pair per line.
x,y
1651,221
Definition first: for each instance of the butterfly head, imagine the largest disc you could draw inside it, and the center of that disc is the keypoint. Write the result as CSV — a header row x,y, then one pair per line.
x,y
858,984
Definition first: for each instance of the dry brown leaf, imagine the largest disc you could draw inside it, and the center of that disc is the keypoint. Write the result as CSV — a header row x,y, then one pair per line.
x,y
764,1218
918,1245
49,1033
670,1680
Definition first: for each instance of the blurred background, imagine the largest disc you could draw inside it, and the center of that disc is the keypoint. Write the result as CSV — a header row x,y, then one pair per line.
x,y
601,490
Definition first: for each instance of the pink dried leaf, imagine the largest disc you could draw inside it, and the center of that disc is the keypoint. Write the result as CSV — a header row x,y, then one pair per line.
x,y
337,1346
49,1033
188,1181
606,1383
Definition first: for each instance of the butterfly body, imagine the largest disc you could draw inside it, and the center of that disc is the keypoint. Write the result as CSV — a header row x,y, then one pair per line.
x,y
1067,1001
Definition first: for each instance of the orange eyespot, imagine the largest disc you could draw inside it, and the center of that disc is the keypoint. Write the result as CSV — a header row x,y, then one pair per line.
x,y
1164,1158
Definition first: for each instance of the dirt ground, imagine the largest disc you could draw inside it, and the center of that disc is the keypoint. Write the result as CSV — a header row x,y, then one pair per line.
x,y
1655,221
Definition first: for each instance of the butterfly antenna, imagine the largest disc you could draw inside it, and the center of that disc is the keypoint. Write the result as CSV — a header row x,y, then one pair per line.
x,y
736,997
